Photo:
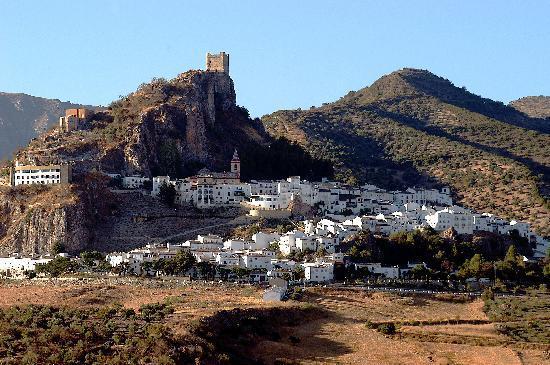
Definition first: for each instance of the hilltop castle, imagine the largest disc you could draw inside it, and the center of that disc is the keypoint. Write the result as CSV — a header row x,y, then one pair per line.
x,y
217,62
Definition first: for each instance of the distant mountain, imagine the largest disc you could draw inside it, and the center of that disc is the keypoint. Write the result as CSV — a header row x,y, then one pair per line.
x,y
533,106
412,127
23,117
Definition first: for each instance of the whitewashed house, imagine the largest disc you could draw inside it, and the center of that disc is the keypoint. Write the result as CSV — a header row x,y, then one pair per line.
x,y
287,243
390,272
319,272
308,243
16,267
262,240
257,260
227,259
234,245
134,182
456,217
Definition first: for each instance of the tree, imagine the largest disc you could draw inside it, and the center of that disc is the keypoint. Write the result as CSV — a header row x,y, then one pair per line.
x,y
274,246
207,270
146,266
512,266
122,269
167,193
354,253
57,267
420,272
90,257
183,261
321,252
116,182
298,273
223,273
58,247
475,267
240,272
148,185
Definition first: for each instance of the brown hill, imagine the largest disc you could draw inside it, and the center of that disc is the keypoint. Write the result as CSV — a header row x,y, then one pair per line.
x,y
171,128
533,106
412,127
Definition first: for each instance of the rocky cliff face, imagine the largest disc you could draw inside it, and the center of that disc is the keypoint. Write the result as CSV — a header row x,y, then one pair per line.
x,y
23,117
34,219
165,127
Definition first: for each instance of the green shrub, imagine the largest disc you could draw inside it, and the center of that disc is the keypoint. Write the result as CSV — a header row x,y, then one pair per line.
x,y
387,328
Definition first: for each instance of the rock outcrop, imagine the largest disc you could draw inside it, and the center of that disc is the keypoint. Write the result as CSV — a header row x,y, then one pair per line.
x,y
162,128
173,128
35,219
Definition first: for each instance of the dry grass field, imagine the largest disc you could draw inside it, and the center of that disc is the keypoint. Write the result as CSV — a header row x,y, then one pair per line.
x,y
344,338
193,299
339,336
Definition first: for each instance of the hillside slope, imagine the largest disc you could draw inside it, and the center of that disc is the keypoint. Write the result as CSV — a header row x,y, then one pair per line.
x,y
533,106
171,128
165,127
412,127
23,117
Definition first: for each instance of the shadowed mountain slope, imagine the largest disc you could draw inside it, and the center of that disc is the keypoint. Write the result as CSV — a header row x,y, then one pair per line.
x,y
412,127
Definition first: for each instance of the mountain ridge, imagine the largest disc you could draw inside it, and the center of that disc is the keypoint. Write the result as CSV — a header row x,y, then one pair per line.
x,y
534,106
417,124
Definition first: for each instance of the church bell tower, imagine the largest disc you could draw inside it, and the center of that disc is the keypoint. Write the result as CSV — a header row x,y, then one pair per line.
x,y
236,164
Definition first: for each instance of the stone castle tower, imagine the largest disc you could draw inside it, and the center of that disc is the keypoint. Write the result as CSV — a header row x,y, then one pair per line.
x,y
217,62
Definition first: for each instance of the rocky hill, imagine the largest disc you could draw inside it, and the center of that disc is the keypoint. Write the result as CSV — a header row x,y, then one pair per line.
x,y
412,127
173,128
23,117
533,106
165,127
38,218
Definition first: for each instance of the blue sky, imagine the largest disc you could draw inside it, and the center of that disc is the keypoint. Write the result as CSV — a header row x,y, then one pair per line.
x,y
284,54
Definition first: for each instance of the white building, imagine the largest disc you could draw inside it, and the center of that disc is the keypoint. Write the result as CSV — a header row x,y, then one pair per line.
x,y
329,244
158,181
319,272
271,201
17,266
456,217
134,182
227,259
257,260
209,238
262,240
196,245
234,245
43,175
390,272
287,245
307,243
